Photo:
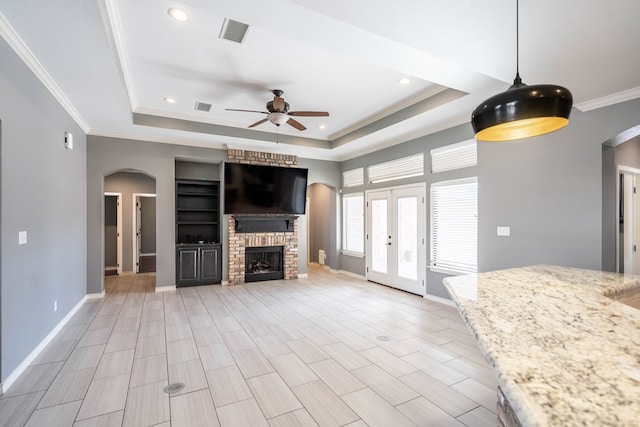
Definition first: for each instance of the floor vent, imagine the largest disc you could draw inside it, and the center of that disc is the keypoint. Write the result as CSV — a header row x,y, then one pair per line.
x,y
173,388
233,30
202,106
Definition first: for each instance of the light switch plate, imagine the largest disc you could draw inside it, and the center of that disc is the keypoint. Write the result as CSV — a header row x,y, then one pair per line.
x,y
22,237
504,231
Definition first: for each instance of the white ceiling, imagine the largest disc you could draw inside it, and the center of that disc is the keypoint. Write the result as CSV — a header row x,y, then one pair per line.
x,y
112,63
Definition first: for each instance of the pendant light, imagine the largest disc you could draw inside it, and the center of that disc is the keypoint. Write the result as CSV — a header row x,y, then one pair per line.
x,y
522,111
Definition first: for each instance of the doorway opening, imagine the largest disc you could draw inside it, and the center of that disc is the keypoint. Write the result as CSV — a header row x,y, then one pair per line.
x,y
628,209
112,233
145,232
322,225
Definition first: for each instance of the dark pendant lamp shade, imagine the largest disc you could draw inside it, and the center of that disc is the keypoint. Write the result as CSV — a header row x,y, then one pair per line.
x,y
522,111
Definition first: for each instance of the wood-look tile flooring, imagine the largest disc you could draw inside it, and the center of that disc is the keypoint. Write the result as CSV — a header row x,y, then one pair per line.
x,y
324,351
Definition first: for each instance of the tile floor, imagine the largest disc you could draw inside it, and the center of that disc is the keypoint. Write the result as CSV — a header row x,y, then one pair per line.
x,y
324,351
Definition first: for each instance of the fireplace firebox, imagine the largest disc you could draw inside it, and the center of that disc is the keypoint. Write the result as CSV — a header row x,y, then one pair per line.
x,y
263,263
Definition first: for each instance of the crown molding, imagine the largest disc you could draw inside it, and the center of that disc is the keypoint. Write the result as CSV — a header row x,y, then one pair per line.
x,y
111,13
23,51
605,101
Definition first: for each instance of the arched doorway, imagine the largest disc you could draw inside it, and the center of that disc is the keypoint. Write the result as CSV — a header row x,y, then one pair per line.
x,y
130,235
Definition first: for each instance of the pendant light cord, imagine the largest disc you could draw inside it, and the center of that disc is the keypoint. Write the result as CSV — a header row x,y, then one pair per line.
x,y
517,81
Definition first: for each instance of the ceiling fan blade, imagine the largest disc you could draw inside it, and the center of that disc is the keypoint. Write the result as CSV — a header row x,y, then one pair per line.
x,y
246,111
308,113
296,124
259,122
278,103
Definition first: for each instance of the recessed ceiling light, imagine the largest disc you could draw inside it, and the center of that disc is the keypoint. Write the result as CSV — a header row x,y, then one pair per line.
x,y
178,14
404,81
170,100
322,127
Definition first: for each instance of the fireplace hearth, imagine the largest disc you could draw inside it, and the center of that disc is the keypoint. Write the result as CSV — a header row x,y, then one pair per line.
x,y
263,263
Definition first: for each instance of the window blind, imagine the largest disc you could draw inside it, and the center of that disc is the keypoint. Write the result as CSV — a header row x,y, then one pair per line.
x,y
454,156
353,223
353,178
404,167
454,225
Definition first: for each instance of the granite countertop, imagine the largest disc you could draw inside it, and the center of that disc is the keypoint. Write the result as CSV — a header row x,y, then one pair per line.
x,y
564,353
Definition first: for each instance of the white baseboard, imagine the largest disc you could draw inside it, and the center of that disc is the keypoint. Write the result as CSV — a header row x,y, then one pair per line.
x,y
165,288
354,275
110,268
96,295
225,283
303,276
440,300
149,254
8,382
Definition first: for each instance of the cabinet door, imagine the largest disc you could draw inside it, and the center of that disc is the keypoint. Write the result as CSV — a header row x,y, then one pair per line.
x,y
187,265
210,264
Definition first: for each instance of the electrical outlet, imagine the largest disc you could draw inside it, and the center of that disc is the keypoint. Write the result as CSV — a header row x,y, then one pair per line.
x,y
22,237
55,305
504,231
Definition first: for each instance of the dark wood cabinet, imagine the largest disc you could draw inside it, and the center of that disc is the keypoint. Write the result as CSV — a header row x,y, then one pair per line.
x,y
198,264
198,248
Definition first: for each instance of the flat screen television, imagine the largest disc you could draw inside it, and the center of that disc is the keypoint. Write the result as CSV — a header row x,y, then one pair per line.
x,y
259,189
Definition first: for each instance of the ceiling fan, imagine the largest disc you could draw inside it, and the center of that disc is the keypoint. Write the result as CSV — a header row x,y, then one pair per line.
x,y
278,112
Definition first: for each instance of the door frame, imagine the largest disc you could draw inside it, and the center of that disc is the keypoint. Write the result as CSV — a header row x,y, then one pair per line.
x,y
421,189
624,170
118,228
135,226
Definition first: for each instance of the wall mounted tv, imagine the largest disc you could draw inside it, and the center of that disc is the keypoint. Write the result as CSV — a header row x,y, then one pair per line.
x,y
259,189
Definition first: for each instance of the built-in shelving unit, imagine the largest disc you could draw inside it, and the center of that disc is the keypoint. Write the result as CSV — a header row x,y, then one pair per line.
x,y
197,211
198,248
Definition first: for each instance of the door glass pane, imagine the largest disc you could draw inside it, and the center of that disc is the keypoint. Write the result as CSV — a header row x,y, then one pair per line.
x,y
379,235
407,219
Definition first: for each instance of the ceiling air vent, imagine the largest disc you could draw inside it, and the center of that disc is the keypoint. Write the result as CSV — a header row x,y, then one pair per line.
x,y
233,30
202,106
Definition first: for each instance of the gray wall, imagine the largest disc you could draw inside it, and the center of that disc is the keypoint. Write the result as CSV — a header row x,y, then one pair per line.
x,y
110,231
321,220
106,156
148,225
109,155
43,193
197,170
128,183
548,189
357,265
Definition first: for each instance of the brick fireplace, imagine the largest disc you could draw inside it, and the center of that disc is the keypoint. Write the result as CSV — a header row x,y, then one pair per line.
x,y
239,240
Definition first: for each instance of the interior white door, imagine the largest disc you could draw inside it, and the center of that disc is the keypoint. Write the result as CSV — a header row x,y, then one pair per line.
x,y
138,233
395,237
635,220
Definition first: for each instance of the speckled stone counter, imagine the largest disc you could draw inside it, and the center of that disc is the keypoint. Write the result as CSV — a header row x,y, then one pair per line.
x,y
564,353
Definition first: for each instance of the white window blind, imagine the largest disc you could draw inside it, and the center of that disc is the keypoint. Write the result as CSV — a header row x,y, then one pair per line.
x,y
454,156
353,178
404,167
353,223
454,225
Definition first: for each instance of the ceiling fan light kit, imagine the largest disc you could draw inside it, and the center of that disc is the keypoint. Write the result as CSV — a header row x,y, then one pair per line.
x,y
522,111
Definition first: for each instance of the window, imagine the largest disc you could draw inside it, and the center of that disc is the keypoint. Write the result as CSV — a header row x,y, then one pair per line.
x,y
454,225
405,167
454,156
353,178
353,223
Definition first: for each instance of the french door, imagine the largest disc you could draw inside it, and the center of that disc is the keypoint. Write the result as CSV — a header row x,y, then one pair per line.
x,y
395,237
